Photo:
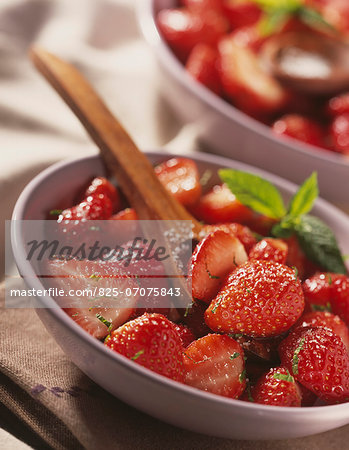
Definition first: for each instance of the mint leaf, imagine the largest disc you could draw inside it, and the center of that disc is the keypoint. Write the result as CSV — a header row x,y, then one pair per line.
x,y
287,5
255,192
319,244
303,200
272,22
295,359
55,212
314,18
283,377
137,355
103,320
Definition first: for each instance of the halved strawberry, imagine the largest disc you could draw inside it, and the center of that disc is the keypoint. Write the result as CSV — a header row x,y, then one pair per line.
x,y
296,257
215,363
243,233
245,82
259,299
270,249
327,320
218,254
301,128
94,207
184,28
202,65
152,341
101,185
99,321
220,205
90,286
193,318
186,335
277,388
318,359
340,133
125,214
181,178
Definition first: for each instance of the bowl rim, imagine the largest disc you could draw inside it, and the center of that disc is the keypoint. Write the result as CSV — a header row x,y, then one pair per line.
x,y
145,10
25,268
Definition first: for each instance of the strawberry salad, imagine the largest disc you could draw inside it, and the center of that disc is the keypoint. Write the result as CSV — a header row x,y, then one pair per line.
x,y
221,43
269,316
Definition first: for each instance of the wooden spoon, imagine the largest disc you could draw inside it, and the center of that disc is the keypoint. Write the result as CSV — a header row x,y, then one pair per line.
x,y
132,169
308,62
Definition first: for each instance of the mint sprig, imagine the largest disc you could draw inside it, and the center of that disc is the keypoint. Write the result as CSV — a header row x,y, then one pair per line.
x,y
319,244
277,12
255,192
315,238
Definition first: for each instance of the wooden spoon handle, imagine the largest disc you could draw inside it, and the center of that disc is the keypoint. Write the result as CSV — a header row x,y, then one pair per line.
x,y
133,170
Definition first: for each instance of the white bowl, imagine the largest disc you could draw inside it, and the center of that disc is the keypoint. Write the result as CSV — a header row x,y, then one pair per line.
x,y
230,132
161,397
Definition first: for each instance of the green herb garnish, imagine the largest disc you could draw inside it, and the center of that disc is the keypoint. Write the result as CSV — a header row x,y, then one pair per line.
x,y
55,212
295,359
214,309
242,376
283,377
277,12
234,355
105,321
137,355
314,236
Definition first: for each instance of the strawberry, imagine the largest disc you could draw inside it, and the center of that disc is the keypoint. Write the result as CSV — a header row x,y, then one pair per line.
x,y
338,105
215,363
327,320
187,337
239,70
308,397
218,254
270,249
328,291
220,205
340,133
318,359
277,388
202,65
99,321
181,178
241,13
249,37
125,214
94,207
317,292
340,297
101,185
75,275
244,234
259,299
193,318
296,257
261,224
260,350
301,128
151,341
183,29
